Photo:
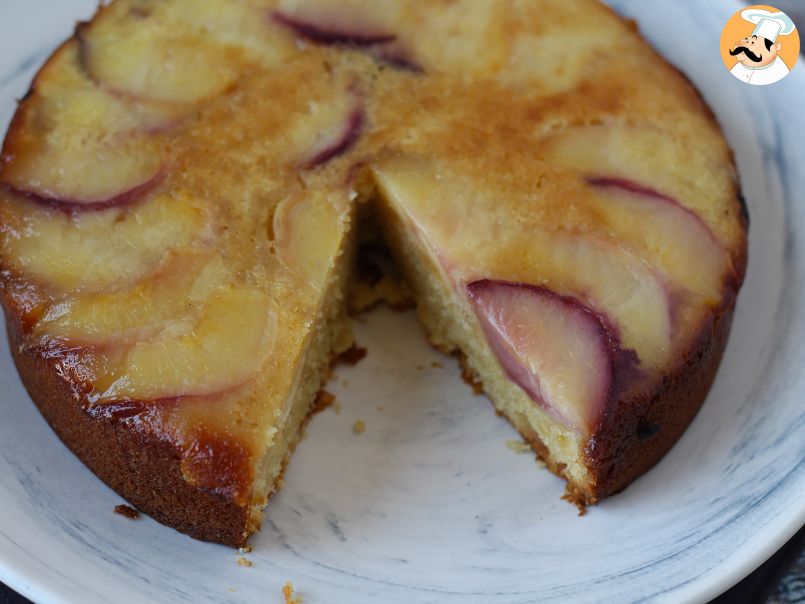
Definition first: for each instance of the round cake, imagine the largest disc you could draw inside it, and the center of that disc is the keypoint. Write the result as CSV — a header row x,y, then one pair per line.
x,y
185,186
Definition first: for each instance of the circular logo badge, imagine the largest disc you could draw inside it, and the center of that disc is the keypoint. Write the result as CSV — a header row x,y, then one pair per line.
x,y
760,45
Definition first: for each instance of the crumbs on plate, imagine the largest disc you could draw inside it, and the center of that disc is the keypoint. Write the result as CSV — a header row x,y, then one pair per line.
x,y
127,511
518,446
288,592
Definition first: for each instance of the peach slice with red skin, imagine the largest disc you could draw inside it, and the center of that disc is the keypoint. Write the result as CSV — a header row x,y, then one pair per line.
x,y
156,59
330,128
331,31
178,53
72,180
451,217
177,289
72,144
628,154
682,244
221,348
335,142
560,352
451,39
96,251
351,28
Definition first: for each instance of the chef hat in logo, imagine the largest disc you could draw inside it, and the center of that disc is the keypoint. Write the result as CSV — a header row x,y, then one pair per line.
x,y
769,24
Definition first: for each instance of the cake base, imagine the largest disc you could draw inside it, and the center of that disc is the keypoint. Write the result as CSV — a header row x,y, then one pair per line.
x,y
144,470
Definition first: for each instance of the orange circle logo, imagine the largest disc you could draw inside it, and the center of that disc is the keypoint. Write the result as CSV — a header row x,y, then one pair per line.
x,y
760,45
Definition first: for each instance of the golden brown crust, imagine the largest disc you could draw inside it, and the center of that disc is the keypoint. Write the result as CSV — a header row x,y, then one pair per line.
x,y
638,433
143,469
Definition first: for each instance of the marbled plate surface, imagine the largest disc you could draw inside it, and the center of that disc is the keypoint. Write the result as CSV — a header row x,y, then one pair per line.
x,y
428,504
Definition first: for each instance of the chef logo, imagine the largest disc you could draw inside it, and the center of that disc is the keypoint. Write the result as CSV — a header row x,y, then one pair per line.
x,y
759,45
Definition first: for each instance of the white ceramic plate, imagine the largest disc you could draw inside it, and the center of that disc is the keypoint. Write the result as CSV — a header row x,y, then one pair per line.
x,y
429,505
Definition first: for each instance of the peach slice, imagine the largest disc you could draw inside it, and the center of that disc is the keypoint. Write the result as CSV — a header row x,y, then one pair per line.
x,y
155,58
451,40
630,152
361,26
238,24
309,229
335,29
93,251
559,351
455,40
70,142
90,177
76,101
335,142
222,348
329,129
472,236
675,237
177,289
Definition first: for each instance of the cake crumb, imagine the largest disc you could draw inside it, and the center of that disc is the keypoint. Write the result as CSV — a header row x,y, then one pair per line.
x,y
518,446
573,498
244,562
380,407
436,365
469,377
468,374
323,400
352,356
290,596
246,549
127,511
337,408
359,426
232,589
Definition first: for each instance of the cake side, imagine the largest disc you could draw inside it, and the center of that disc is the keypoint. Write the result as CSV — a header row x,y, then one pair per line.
x,y
212,487
632,435
640,431
141,467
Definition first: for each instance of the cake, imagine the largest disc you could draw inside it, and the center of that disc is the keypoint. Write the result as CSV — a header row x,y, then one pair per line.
x,y
186,184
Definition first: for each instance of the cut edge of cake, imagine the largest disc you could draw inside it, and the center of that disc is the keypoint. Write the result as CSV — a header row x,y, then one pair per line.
x,y
645,427
330,338
147,469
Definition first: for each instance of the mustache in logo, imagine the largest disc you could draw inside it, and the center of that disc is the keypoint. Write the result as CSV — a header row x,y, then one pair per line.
x,y
743,49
